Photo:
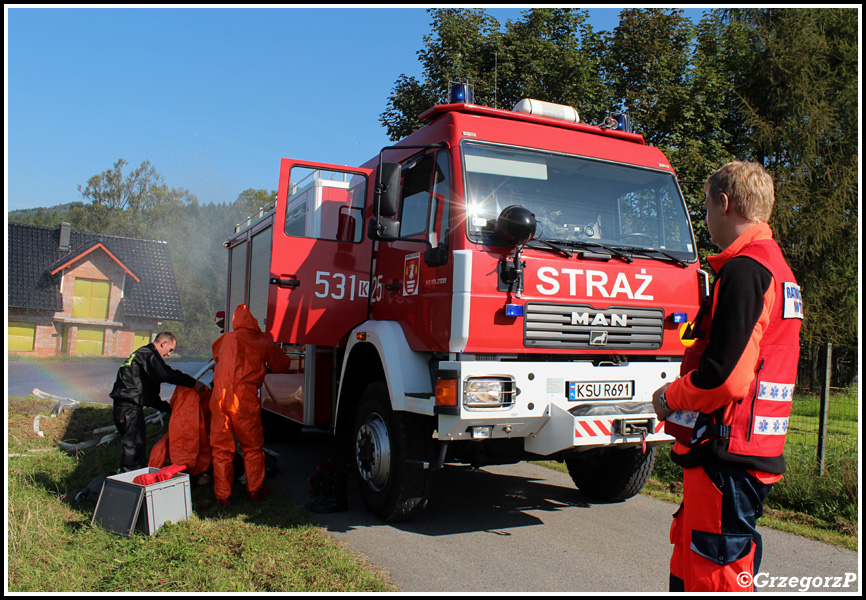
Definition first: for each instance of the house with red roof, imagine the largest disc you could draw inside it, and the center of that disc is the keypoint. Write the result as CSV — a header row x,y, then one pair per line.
x,y
86,294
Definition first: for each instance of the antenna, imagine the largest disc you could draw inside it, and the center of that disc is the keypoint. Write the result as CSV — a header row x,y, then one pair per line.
x,y
495,75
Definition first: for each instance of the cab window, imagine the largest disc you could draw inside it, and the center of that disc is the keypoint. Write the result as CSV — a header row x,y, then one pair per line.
x,y
326,205
417,183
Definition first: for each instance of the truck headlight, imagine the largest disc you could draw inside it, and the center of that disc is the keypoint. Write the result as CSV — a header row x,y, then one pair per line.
x,y
488,392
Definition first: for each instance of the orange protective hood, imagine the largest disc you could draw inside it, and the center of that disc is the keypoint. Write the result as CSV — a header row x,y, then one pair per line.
x,y
244,319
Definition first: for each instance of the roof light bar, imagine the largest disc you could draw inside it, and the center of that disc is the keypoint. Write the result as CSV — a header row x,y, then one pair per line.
x,y
550,110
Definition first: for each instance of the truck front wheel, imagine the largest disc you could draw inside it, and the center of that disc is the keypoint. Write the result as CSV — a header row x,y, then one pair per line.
x,y
611,474
390,449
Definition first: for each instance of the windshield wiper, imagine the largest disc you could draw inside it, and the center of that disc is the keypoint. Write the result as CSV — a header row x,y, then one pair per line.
x,y
616,251
647,253
592,246
565,251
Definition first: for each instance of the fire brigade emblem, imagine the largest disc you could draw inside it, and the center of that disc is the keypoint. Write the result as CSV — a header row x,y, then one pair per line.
x,y
411,273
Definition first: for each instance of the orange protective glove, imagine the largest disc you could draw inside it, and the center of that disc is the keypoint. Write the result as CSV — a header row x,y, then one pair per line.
x,y
169,472
146,479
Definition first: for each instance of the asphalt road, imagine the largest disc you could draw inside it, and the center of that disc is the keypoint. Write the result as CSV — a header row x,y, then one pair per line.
x,y
525,528
507,529
80,380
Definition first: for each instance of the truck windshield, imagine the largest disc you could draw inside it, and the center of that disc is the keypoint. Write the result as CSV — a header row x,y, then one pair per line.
x,y
576,200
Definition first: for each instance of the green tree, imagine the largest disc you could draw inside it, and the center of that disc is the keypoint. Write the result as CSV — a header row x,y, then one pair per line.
x,y
250,202
552,55
649,69
134,204
664,72
795,83
462,48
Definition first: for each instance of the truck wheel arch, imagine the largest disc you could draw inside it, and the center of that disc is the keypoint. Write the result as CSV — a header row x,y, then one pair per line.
x,y
361,367
383,355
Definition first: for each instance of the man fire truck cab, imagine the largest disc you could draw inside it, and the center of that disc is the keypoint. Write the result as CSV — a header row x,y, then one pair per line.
x,y
498,286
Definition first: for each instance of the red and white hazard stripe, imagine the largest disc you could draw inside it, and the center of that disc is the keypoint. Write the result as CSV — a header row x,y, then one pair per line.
x,y
601,427
593,428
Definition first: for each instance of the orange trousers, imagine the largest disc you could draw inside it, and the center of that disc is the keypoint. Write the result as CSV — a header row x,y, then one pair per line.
x,y
717,547
243,420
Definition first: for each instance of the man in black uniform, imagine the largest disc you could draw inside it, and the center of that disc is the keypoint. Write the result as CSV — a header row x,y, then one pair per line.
x,y
137,386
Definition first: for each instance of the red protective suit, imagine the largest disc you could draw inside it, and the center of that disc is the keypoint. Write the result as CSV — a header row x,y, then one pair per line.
x,y
187,441
242,356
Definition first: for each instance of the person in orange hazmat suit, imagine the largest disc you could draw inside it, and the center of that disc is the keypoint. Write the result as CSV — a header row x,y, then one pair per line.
x,y
242,357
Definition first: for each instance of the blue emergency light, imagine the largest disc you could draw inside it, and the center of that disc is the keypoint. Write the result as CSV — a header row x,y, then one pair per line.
x,y
679,317
513,310
461,92
623,123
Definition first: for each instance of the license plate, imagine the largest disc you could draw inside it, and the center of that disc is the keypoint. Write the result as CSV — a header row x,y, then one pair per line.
x,y
600,390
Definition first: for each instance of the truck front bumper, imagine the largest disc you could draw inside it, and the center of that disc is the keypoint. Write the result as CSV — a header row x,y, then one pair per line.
x,y
556,406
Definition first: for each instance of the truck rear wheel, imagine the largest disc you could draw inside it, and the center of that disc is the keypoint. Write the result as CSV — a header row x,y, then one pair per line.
x,y
392,488
611,474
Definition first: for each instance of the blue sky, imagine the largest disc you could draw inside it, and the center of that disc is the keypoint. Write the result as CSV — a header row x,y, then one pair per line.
x,y
213,98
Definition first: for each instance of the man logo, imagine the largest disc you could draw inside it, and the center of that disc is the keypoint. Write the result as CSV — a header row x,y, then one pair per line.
x,y
615,320
597,338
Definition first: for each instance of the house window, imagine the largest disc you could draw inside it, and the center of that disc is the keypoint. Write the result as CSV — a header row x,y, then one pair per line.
x,y
20,336
90,298
90,340
142,338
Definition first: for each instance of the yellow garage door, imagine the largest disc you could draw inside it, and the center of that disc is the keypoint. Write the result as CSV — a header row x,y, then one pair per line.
x,y
90,340
20,336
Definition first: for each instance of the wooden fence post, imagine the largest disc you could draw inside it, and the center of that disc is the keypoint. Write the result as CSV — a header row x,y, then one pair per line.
x,y
824,410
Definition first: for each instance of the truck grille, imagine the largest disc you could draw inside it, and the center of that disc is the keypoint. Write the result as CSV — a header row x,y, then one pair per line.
x,y
580,326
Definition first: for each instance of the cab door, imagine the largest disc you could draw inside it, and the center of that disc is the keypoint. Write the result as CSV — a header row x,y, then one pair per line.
x,y
414,273
320,265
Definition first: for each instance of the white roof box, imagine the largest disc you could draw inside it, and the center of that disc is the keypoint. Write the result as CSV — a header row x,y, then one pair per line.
x,y
550,110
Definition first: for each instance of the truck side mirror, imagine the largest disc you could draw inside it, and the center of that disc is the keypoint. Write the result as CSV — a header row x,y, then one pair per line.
x,y
437,256
387,198
383,229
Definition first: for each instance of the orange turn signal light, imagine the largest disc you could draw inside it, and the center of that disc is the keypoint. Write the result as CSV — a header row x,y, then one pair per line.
x,y
446,392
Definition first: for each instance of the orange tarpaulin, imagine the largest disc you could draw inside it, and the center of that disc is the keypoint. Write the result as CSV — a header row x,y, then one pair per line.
x,y
187,441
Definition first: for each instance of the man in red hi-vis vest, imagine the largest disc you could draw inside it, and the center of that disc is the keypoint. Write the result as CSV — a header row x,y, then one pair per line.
x,y
242,357
729,409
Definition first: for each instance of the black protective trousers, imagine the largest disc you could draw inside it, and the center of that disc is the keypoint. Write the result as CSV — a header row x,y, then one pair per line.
x,y
129,420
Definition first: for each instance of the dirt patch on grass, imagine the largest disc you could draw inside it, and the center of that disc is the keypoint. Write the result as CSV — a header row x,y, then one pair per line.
x,y
29,416
28,407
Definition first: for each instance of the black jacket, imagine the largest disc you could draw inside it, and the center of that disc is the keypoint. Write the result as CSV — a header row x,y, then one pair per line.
x,y
139,378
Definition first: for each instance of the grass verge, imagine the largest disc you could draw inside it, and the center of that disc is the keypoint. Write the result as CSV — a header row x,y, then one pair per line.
x,y
268,546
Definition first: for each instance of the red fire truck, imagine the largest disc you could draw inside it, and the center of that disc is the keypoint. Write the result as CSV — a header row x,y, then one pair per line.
x,y
498,286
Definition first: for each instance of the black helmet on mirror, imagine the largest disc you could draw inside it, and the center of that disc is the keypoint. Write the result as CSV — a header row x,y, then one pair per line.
x,y
516,224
